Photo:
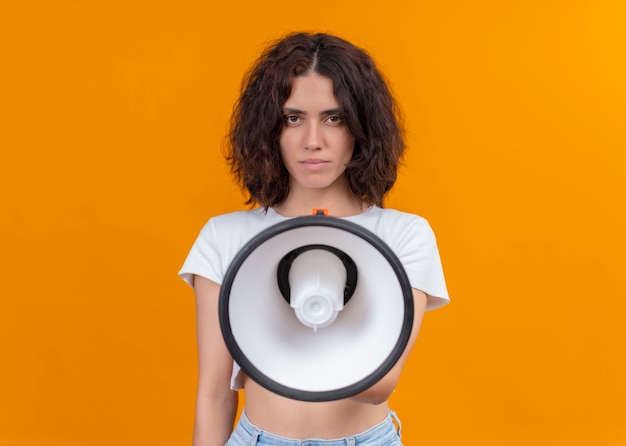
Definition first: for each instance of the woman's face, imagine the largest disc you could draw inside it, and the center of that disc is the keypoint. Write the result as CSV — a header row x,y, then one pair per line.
x,y
315,143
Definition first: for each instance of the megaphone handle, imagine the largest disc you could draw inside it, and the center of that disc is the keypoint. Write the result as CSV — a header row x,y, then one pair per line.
x,y
320,211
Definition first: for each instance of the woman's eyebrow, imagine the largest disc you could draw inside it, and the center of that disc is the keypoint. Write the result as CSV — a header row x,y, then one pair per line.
x,y
296,111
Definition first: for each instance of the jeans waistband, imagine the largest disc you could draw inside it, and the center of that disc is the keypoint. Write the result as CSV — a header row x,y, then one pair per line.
x,y
247,434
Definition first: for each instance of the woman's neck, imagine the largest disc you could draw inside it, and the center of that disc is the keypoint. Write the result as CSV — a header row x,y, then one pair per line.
x,y
296,205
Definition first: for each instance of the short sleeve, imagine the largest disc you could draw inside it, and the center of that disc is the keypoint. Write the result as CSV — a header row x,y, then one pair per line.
x,y
417,250
204,258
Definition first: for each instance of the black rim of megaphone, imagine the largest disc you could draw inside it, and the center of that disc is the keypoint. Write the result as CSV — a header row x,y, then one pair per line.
x,y
326,395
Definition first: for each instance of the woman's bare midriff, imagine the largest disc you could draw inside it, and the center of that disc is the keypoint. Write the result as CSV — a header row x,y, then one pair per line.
x,y
299,419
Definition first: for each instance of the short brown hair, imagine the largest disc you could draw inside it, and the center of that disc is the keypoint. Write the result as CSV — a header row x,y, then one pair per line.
x,y
370,114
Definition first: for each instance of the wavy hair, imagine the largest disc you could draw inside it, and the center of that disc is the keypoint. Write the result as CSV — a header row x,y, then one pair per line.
x,y
370,114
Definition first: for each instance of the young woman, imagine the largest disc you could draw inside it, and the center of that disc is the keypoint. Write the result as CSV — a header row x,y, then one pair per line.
x,y
315,127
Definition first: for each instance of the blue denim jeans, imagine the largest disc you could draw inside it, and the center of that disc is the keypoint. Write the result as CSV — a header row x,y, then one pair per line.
x,y
383,434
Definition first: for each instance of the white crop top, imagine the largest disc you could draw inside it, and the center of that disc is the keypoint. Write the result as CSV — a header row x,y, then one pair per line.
x,y
409,236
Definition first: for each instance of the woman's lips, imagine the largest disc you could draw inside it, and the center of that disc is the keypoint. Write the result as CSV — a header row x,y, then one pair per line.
x,y
314,163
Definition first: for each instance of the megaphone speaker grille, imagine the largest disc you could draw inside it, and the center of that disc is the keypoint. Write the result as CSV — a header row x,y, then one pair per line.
x,y
279,352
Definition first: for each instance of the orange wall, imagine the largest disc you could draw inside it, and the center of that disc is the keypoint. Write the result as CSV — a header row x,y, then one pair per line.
x,y
111,118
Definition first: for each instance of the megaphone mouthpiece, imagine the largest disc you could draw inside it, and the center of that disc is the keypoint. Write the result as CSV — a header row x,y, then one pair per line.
x,y
317,279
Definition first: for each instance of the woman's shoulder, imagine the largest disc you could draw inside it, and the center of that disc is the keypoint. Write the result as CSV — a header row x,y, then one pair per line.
x,y
243,218
396,214
392,220
239,216
241,224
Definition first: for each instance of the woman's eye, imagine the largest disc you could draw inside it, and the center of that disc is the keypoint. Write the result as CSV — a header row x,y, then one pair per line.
x,y
292,119
335,119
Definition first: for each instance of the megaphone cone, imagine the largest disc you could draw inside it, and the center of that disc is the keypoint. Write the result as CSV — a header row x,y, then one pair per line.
x,y
316,308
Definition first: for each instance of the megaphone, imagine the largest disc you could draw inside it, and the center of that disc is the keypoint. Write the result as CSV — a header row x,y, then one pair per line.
x,y
316,308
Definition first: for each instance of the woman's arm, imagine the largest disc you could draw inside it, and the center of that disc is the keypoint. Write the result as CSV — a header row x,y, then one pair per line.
x,y
382,390
216,404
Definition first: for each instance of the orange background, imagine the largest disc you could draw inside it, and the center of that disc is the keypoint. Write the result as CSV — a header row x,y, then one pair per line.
x,y
112,118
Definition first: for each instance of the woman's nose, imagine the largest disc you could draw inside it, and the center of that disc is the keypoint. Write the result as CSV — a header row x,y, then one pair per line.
x,y
313,136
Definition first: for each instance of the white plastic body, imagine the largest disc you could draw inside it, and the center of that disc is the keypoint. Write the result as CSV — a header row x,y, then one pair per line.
x,y
317,279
